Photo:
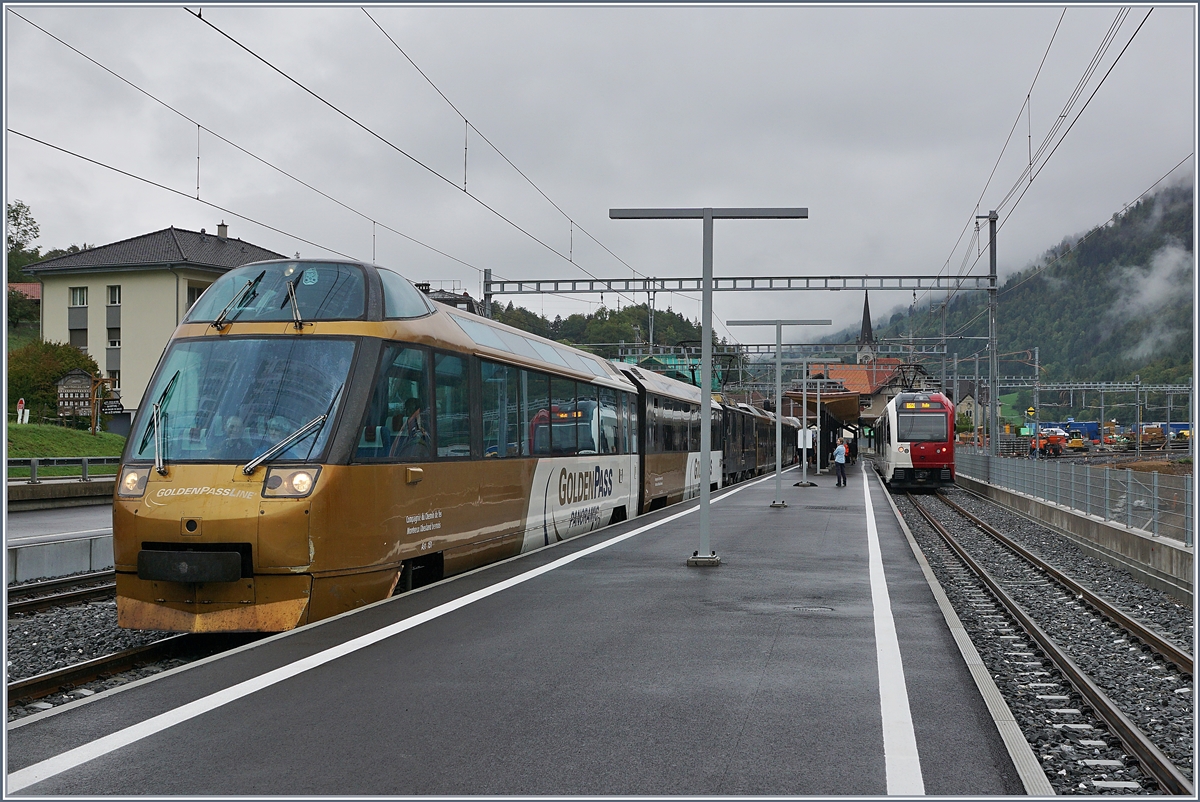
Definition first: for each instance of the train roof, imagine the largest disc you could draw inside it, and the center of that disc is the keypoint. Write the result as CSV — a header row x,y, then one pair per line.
x,y
662,385
506,341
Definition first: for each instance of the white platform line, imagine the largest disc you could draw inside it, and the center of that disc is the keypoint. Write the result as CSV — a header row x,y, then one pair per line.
x,y
901,761
53,766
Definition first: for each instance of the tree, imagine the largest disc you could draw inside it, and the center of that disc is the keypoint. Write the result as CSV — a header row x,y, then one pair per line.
x,y
33,370
20,308
22,231
22,228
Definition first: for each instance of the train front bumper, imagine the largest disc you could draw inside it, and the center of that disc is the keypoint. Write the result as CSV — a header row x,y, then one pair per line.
x,y
262,603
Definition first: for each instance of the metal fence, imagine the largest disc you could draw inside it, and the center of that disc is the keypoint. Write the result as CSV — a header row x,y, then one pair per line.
x,y
1156,503
83,463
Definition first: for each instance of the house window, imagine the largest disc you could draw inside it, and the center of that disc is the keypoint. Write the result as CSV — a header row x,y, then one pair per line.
x,y
79,339
114,338
115,375
114,294
194,293
79,296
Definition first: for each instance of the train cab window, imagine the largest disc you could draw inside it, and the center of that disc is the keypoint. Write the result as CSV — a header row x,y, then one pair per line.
x,y
916,427
396,426
258,292
501,386
608,422
535,410
400,298
452,396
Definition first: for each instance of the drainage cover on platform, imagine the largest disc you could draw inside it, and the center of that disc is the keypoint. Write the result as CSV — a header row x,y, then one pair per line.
x,y
813,609
833,508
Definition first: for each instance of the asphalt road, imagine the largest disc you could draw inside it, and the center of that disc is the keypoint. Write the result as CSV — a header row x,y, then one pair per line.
x,y
64,522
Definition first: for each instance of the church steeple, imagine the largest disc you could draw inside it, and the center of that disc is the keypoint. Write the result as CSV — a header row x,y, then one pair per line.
x,y
866,339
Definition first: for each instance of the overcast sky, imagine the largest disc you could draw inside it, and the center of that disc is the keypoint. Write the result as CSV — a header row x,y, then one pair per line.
x,y
886,122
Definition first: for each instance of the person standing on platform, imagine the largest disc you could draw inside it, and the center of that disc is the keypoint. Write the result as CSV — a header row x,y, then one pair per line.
x,y
853,446
839,462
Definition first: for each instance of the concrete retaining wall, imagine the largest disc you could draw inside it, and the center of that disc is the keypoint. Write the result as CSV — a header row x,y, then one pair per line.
x,y
59,493
59,558
1159,562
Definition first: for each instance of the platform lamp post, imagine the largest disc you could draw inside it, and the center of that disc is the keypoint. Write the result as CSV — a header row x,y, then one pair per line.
x,y
779,324
705,556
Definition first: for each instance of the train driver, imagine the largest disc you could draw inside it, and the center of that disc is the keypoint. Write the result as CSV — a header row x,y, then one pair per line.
x,y
412,440
236,444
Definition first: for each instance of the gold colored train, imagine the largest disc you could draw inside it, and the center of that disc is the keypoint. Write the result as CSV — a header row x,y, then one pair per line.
x,y
319,435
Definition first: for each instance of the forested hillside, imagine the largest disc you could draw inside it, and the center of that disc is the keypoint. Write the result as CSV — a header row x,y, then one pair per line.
x,y
630,325
1102,306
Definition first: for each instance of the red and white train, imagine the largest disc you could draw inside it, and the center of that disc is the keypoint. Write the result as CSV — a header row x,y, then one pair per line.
x,y
914,441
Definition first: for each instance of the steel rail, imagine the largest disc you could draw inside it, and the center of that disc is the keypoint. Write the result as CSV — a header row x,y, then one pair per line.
x,y
25,690
61,599
1160,768
1145,634
18,591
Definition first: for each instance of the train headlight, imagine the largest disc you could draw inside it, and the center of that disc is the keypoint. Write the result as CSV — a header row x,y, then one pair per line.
x,y
290,482
133,482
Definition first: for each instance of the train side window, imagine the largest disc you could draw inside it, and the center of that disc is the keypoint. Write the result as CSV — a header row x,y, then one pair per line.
x,y
563,409
452,396
501,409
608,422
631,411
396,426
587,418
535,414
694,429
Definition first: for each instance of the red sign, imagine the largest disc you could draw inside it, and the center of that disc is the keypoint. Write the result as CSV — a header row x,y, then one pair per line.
x,y
20,404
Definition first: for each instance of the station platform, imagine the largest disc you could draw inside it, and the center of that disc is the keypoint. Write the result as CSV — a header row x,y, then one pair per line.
x,y
599,666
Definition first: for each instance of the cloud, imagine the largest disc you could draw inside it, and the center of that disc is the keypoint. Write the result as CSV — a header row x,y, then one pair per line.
x,y
1145,292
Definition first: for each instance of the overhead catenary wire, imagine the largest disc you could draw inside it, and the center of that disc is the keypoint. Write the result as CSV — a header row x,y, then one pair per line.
x,y
1089,71
201,127
573,224
392,145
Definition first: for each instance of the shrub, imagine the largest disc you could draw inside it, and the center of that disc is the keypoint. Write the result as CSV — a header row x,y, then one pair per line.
x,y
33,370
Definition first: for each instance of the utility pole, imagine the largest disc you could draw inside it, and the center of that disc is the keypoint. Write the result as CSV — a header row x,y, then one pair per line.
x,y
994,358
705,556
1137,400
975,406
779,324
1037,409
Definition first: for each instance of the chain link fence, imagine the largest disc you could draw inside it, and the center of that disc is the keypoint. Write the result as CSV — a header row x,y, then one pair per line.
x,y
1159,504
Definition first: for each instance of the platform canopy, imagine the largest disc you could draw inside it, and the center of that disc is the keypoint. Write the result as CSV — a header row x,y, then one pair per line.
x,y
843,406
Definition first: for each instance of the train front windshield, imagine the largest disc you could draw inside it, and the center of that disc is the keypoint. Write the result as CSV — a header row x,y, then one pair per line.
x,y
232,399
921,427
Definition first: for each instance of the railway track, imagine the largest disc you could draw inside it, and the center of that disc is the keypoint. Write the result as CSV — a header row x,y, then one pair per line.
x,y
32,688
1004,578
49,593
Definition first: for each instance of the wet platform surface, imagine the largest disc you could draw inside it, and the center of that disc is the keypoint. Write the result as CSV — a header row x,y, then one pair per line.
x,y
602,665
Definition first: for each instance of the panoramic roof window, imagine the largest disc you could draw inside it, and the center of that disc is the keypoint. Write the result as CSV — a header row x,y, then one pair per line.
x,y
266,292
400,298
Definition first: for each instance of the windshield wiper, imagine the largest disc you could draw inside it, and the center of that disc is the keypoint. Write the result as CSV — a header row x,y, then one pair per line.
x,y
154,420
298,322
220,323
283,444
